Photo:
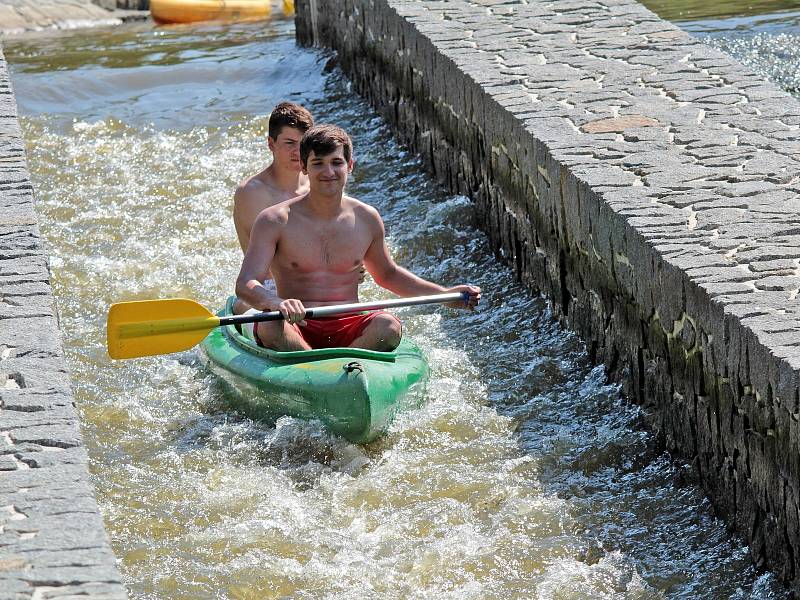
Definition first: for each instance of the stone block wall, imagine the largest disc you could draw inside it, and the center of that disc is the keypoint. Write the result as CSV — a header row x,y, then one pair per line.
x,y
19,16
647,184
124,4
52,541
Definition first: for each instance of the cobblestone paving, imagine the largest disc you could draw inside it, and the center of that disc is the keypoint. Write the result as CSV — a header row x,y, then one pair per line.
x,y
701,156
52,542
18,16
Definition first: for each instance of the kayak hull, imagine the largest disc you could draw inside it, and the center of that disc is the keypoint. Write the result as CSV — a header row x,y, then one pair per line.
x,y
354,392
190,11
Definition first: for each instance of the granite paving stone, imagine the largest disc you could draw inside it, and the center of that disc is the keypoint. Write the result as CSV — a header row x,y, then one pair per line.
x,y
20,16
52,540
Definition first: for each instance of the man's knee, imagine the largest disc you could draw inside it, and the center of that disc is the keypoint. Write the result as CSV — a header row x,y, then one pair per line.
x,y
271,333
281,336
389,328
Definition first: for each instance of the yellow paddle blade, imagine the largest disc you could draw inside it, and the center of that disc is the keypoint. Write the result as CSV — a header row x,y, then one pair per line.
x,y
288,7
148,327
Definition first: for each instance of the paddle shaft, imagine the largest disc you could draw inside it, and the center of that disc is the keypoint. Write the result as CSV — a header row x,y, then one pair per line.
x,y
343,309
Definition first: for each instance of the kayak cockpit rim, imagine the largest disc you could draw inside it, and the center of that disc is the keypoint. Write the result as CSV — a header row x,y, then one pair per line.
x,y
299,355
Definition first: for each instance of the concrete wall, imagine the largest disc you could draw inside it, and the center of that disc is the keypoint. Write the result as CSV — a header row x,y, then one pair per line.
x,y
52,541
124,4
19,16
648,185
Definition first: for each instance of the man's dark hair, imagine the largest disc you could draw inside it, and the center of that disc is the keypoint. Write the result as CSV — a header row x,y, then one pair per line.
x,y
324,139
288,114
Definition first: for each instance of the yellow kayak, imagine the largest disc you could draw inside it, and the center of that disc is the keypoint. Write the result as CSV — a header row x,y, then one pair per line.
x,y
189,11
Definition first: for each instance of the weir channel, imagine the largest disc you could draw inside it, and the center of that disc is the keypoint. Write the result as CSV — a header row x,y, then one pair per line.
x,y
524,474
647,184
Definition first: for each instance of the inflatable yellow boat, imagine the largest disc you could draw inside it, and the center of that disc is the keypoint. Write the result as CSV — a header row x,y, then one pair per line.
x,y
189,11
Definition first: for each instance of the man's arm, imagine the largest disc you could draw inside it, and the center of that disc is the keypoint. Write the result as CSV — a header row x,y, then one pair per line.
x,y
255,268
257,260
403,282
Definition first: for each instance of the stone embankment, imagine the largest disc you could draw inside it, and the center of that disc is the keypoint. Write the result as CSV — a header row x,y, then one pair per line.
x,y
124,4
52,541
647,184
20,16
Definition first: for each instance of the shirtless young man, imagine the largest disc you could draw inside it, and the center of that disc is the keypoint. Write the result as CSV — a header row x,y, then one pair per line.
x,y
281,180
315,246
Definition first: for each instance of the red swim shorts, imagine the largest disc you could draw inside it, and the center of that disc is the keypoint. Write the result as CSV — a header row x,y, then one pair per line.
x,y
335,332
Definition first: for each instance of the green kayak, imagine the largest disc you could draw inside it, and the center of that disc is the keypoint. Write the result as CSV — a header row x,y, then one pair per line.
x,y
354,392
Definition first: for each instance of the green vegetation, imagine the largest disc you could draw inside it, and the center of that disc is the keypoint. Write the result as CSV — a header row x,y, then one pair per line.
x,y
694,10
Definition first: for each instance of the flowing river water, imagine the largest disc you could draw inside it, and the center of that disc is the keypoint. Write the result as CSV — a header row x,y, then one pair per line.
x,y
522,475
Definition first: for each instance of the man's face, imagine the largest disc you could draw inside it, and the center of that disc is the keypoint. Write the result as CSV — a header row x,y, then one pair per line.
x,y
327,173
286,148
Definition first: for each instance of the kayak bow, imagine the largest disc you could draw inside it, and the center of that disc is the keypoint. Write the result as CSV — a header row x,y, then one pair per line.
x,y
354,392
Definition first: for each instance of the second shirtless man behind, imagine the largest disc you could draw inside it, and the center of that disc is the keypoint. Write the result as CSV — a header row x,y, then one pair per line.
x,y
281,180
315,246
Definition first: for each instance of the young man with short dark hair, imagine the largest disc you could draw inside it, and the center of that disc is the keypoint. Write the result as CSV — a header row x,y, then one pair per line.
x,y
283,178
315,245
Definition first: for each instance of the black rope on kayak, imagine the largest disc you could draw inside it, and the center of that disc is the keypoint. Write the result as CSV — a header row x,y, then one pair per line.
x,y
353,366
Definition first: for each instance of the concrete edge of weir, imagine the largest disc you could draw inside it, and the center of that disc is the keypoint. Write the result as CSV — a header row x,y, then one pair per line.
x,y
52,539
646,184
26,16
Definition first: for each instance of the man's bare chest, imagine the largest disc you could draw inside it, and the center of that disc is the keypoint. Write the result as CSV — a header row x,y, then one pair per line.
x,y
337,247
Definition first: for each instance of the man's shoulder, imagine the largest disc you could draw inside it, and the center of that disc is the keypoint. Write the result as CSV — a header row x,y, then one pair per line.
x,y
366,214
253,184
255,187
362,208
278,213
276,218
